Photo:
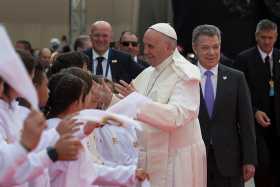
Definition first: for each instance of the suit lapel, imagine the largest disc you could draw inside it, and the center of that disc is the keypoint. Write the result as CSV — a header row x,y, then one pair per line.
x,y
276,63
259,66
112,63
221,84
90,65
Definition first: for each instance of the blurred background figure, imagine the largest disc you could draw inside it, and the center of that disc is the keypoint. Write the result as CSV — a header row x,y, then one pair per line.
x,y
129,43
24,45
82,43
54,44
44,57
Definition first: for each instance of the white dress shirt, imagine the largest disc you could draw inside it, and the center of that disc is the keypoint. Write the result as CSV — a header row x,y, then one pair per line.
x,y
105,63
30,170
263,55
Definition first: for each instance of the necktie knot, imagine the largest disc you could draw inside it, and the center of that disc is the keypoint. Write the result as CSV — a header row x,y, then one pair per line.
x,y
266,59
208,73
100,59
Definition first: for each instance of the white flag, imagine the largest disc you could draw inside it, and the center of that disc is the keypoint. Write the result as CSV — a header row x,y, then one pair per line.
x,y
13,71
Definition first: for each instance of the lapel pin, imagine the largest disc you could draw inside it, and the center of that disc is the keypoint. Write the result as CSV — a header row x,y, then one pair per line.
x,y
114,61
224,77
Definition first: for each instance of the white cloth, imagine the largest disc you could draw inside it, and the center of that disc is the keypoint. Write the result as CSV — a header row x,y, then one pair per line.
x,y
171,146
129,105
84,172
31,168
112,145
13,71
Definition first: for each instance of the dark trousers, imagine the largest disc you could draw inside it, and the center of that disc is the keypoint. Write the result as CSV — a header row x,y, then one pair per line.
x,y
268,142
215,178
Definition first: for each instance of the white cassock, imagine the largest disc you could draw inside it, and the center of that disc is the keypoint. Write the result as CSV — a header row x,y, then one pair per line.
x,y
31,169
85,172
171,146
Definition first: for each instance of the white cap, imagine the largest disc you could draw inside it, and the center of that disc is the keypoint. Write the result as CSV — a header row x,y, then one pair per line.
x,y
166,29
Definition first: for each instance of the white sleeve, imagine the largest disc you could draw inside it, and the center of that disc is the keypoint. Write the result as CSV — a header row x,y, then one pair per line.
x,y
182,107
11,156
119,175
49,138
33,167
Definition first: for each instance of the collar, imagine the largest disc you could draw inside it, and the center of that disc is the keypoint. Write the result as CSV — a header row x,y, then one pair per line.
x,y
9,106
263,54
214,69
95,54
165,63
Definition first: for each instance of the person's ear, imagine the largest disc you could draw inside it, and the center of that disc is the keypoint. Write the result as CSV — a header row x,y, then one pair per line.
x,y
194,48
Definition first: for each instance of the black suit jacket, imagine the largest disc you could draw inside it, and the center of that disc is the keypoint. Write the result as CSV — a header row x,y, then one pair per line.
x,y
122,65
251,63
230,131
142,62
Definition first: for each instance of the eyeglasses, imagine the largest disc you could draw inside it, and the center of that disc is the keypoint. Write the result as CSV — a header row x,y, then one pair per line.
x,y
126,44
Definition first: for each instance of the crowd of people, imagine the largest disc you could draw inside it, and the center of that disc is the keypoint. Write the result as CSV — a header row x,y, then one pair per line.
x,y
208,121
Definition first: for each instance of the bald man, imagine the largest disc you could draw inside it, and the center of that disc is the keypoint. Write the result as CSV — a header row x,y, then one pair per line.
x,y
171,147
108,62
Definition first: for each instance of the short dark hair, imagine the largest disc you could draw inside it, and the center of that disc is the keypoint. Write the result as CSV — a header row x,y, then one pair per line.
x,y
79,42
27,59
65,89
84,75
26,44
39,75
67,60
127,32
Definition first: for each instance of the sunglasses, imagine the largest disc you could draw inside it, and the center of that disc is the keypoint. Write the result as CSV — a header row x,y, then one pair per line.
x,y
126,44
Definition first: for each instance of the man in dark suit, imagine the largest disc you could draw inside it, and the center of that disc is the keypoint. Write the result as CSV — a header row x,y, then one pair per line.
x,y
225,115
129,43
106,61
261,66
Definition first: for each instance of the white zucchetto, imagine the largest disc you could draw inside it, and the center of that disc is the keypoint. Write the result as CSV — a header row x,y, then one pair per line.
x,y
166,29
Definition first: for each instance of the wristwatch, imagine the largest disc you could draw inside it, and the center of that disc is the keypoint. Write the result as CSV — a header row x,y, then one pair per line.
x,y
52,153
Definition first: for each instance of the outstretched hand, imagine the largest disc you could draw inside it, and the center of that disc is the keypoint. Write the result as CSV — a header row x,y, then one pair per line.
x,y
124,88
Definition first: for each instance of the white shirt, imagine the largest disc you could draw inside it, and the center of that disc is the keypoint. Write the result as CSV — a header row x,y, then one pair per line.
x,y
105,63
85,173
31,168
263,55
214,77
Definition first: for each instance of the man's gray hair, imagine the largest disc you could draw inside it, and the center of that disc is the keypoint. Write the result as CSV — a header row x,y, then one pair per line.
x,y
266,25
205,30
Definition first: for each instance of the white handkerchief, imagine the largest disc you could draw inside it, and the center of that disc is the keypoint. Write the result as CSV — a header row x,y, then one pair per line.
x,y
13,71
129,105
98,116
146,183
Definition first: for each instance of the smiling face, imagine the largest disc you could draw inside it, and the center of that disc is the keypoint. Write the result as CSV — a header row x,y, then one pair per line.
x,y
101,36
207,50
156,47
